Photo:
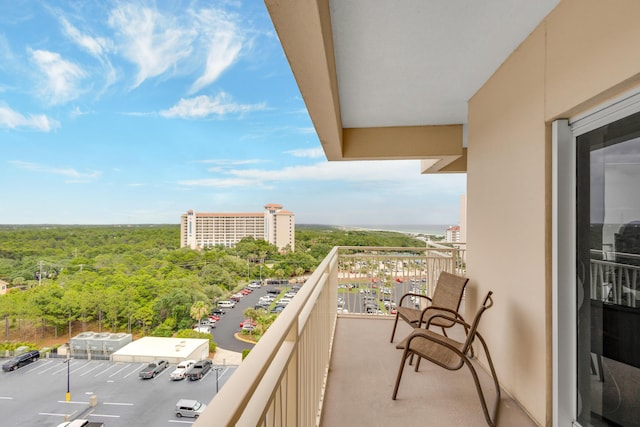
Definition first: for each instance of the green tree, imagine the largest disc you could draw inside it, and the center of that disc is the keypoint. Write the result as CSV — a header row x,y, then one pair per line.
x,y
199,309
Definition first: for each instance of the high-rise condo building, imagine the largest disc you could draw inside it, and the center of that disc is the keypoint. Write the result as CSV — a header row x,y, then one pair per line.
x,y
205,230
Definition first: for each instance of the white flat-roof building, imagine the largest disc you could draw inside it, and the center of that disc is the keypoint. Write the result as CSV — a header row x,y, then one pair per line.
x,y
205,230
174,350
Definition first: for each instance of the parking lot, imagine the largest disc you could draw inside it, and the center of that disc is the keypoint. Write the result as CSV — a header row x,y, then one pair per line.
x,y
35,395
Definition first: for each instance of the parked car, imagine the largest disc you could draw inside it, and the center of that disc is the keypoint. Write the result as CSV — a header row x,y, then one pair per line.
x,y
199,370
248,327
247,322
207,322
226,304
182,370
189,408
205,329
153,369
21,360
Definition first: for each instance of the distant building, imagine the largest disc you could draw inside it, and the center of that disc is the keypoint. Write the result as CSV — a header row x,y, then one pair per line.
x,y
452,234
3,287
463,218
205,230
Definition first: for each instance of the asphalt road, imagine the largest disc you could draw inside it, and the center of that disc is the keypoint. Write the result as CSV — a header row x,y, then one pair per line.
x,y
34,395
229,323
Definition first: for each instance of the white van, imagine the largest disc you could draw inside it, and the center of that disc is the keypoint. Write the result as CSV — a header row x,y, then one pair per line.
x,y
226,304
189,408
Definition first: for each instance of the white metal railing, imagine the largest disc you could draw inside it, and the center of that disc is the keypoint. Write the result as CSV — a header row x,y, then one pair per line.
x,y
372,279
282,380
615,282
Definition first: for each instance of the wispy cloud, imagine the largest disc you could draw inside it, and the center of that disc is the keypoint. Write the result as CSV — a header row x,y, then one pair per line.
x,y
204,106
381,174
71,173
96,46
223,43
230,162
152,41
13,120
62,78
312,153
224,183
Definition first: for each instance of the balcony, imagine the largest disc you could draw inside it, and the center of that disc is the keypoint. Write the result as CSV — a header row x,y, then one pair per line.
x,y
328,361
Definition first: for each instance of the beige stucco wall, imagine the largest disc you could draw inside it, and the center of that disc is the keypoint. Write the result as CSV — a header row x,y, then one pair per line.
x,y
583,53
506,200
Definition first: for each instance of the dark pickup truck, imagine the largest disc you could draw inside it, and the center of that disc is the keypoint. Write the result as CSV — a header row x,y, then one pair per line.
x,y
199,369
153,369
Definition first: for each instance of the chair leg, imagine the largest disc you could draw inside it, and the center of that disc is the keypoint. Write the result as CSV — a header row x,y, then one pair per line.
x,y
483,401
418,364
395,324
405,354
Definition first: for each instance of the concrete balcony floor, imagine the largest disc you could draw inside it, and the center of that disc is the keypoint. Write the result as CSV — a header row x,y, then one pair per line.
x,y
363,371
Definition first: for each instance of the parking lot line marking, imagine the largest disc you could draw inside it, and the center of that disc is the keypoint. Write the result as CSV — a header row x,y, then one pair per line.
x,y
224,372
118,371
41,364
105,415
73,401
183,422
105,371
5,398
136,369
118,403
50,368
92,369
63,369
53,414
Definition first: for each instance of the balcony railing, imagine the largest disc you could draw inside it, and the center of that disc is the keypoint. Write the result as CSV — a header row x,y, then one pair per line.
x,y
283,379
613,281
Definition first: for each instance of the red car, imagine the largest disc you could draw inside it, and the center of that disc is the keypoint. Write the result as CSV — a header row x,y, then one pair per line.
x,y
248,322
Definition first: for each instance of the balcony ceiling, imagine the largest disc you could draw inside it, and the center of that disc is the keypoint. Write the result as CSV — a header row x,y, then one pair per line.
x,y
408,65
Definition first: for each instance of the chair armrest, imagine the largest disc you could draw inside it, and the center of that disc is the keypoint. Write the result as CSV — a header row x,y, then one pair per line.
x,y
456,317
438,339
415,295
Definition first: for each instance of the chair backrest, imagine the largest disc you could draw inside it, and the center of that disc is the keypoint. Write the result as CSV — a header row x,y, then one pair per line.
x,y
487,303
449,290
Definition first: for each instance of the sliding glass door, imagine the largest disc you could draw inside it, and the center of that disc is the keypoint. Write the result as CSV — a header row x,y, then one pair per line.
x,y
608,274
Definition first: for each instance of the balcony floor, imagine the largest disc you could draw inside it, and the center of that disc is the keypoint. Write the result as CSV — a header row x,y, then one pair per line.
x,y
362,375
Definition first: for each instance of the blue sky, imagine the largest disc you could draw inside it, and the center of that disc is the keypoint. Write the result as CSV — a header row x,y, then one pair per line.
x,y
117,112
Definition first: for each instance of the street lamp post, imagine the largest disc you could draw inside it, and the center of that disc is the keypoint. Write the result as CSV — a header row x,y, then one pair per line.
x,y
217,370
68,397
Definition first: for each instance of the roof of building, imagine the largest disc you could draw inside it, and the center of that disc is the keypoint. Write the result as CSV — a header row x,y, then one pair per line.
x,y
161,347
273,206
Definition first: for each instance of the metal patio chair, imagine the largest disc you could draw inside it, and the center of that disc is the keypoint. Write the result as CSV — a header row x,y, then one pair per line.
x,y
447,296
451,354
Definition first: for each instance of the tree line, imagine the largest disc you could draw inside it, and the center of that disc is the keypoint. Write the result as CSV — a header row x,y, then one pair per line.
x,y
137,278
